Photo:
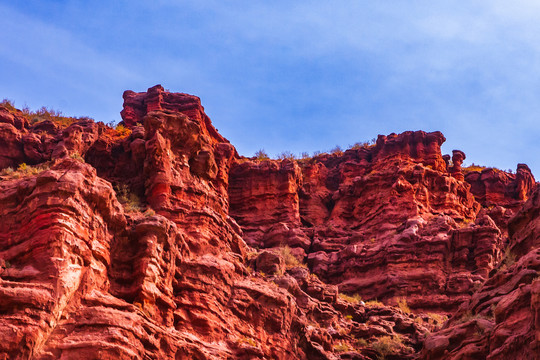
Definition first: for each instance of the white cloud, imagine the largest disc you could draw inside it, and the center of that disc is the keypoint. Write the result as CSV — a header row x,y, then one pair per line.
x,y
467,68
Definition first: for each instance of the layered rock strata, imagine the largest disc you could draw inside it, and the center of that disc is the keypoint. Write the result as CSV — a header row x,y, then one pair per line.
x,y
156,240
502,319
383,221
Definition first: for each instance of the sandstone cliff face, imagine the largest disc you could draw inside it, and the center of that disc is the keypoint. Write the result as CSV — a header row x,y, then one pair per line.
x,y
502,319
157,241
385,222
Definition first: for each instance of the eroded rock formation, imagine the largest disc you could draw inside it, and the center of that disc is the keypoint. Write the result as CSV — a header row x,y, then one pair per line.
x,y
385,222
502,319
157,240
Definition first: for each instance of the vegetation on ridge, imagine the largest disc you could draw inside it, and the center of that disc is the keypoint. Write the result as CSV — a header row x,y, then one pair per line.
x,y
43,114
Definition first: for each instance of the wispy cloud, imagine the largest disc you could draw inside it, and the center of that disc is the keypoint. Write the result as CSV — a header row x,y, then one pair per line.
x,y
303,75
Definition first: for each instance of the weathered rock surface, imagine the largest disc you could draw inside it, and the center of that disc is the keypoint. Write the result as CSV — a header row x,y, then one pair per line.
x,y
385,221
501,320
155,240
492,187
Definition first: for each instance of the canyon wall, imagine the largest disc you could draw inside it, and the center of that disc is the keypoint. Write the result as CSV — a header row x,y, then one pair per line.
x,y
156,240
385,221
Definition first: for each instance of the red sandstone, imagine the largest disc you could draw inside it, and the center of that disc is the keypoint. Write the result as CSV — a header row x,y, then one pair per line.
x,y
226,257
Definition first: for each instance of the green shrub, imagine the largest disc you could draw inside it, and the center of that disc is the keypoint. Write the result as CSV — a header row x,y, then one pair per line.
x,y
23,170
313,277
43,114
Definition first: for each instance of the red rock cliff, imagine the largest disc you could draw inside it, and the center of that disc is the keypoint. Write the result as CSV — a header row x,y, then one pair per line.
x,y
502,319
386,221
155,240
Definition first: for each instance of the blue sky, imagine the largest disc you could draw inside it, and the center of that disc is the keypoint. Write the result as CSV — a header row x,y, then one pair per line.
x,y
296,76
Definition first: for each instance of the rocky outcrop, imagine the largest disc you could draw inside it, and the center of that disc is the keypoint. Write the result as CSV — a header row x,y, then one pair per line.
x,y
493,187
264,200
501,193
51,254
457,159
12,128
381,221
501,320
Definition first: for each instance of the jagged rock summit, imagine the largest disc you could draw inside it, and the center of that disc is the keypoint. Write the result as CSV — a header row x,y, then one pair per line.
x,y
157,240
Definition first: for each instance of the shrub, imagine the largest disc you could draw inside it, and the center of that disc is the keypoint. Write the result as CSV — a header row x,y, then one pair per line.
x,y
313,276
361,343
130,201
403,306
261,155
49,114
290,260
386,345
337,151
7,171
77,156
286,155
42,114
23,169
122,131
341,347
365,144
149,212
437,318
465,317
473,167
375,302
509,257
8,104
355,299
468,316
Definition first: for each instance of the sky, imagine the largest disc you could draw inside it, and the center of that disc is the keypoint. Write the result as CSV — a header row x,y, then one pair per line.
x,y
298,76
